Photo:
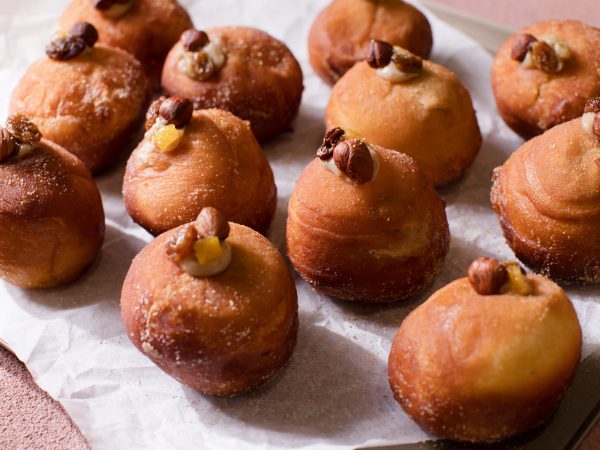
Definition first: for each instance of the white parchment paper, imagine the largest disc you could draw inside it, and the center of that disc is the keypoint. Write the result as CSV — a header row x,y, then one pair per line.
x,y
334,393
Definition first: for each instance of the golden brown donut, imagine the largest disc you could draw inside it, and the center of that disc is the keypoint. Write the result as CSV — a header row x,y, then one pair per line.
x,y
51,215
91,104
259,81
532,100
147,28
381,238
222,334
482,367
340,35
547,197
429,117
217,163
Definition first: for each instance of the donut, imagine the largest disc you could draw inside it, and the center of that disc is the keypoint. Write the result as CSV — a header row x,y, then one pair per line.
x,y
213,304
488,356
241,70
364,223
191,159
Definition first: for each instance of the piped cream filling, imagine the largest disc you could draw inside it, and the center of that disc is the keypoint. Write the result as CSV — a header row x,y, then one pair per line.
x,y
191,265
391,71
560,48
587,123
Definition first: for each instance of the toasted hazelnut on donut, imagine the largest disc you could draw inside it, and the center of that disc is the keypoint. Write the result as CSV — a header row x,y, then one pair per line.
x,y
380,54
332,137
590,120
182,243
211,223
153,113
407,62
64,48
521,46
176,111
592,105
487,276
8,145
353,158
23,129
194,40
544,57
86,31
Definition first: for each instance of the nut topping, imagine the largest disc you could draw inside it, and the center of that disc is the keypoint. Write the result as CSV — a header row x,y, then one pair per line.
x,y
211,223
592,105
332,137
544,57
182,243
176,111
380,54
8,146
407,62
82,36
23,129
521,46
353,158
487,276
152,113
86,31
194,40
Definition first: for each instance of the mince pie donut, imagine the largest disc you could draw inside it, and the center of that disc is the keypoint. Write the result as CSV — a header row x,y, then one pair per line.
x,y
486,357
364,223
51,215
547,198
340,35
192,159
145,28
87,98
241,70
401,102
543,75
213,304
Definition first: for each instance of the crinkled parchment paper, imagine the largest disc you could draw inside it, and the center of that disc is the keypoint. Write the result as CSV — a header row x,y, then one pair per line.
x,y
334,393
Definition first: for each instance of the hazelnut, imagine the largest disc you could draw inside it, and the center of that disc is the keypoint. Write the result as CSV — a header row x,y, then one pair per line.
x,y
544,57
407,62
521,45
379,54
176,111
65,48
487,276
592,105
211,223
332,137
152,113
194,40
354,159
23,129
198,65
182,243
86,31
8,146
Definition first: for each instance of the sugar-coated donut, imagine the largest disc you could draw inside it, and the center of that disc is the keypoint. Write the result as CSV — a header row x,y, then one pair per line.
x,y
400,102
213,305
543,75
547,197
214,160
364,223
88,99
51,215
340,35
237,69
145,28
482,367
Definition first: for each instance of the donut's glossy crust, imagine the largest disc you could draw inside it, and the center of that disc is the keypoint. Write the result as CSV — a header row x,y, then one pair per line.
x,y
218,163
547,197
429,118
221,335
261,81
51,218
340,35
148,30
91,105
532,101
484,368
382,241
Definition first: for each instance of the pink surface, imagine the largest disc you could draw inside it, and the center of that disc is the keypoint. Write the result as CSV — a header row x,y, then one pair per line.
x,y
519,13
